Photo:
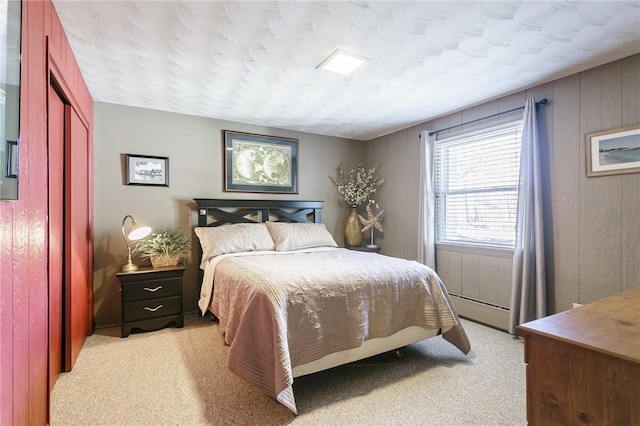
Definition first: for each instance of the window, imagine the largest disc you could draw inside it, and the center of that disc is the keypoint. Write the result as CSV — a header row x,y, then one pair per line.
x,y
476,181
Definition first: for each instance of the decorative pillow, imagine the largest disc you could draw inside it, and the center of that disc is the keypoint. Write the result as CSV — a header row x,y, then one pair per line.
x,y
233,238
292,236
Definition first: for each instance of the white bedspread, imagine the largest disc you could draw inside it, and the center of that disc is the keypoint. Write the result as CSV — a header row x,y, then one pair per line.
x,y
282,309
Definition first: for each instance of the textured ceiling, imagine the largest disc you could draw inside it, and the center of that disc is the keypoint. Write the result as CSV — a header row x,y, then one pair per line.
x,y
255,62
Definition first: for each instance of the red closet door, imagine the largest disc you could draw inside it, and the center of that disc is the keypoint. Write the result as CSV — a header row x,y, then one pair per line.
x,y
78,294
56,231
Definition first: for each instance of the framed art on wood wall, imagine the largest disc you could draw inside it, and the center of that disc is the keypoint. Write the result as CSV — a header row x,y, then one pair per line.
x,y
613,152
147,170
260,163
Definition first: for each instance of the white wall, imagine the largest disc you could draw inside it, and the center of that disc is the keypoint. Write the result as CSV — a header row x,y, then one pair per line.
x,y
194,147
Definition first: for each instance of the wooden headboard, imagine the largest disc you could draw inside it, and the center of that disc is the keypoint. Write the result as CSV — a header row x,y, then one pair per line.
x,y
216,212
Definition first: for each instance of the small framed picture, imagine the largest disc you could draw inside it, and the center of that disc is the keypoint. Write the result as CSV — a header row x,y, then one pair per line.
x,y
147,170
12,159
260,163
613,152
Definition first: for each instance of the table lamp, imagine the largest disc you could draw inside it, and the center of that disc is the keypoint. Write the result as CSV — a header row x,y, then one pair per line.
x,y
135,232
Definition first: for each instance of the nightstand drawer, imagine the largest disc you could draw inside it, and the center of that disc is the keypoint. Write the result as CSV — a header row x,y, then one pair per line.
x,y
154,308
151,289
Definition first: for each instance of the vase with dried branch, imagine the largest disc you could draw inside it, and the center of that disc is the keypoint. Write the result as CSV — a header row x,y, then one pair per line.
x,y
356,187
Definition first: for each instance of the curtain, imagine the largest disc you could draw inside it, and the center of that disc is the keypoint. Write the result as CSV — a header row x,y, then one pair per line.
x,y
528,293
426,210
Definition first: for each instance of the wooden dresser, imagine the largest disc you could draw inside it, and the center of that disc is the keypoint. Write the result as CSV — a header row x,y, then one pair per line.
x,y
583,365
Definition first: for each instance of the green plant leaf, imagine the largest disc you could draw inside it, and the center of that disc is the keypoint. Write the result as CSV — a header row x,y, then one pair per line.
x,y
164,242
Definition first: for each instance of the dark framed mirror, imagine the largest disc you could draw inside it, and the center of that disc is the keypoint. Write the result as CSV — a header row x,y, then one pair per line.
x,y
10,46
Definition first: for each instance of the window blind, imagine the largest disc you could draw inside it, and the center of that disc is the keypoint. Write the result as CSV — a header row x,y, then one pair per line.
x,y
476,180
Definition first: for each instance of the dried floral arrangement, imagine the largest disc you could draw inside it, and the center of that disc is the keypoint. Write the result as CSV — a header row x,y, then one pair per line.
x,y
358,186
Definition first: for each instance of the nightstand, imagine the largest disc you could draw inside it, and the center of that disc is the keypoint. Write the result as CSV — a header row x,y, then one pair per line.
x,y
365,248
151,298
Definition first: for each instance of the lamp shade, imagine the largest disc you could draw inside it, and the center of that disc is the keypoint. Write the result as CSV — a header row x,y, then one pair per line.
x,y
135,232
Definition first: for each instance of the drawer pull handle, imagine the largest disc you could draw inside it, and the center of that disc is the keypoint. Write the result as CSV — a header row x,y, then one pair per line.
x,y
153,309
152,290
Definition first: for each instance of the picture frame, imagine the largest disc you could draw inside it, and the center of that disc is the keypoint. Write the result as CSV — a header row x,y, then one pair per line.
x,y
147,170
259,163
613,152
11,152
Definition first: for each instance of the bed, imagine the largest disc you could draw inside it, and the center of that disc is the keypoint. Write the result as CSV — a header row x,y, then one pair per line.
x,y
291,302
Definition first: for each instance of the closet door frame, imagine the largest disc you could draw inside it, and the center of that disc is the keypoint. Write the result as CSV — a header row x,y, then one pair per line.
x,y
77,225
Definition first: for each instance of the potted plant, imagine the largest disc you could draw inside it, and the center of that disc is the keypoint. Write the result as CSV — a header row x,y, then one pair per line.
x,y
165,248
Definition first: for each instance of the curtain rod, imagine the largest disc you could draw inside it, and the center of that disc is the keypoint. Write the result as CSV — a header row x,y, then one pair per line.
x,y
543,101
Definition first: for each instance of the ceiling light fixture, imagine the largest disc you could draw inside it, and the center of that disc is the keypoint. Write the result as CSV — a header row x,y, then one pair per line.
x,y
342,62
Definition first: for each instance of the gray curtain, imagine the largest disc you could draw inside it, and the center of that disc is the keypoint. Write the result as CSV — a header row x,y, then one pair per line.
x,y
528,296
426,212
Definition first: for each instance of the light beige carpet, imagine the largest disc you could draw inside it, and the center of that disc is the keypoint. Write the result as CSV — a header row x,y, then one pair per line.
x,y
178,377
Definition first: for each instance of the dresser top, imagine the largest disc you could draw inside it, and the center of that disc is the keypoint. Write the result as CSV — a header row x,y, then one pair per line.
x,y
610,325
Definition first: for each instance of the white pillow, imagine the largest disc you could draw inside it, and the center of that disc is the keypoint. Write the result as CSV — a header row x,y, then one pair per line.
x,y
292,236
233,238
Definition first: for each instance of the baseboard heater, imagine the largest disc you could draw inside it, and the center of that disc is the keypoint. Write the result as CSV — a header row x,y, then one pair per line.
x,y
480,311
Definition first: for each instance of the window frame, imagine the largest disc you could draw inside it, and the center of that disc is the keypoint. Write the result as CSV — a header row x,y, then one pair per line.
x,y
440,234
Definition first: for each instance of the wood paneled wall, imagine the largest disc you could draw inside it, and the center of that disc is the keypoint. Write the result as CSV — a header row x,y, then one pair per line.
x,y
397,155
595,227
593,224
24,228
476,274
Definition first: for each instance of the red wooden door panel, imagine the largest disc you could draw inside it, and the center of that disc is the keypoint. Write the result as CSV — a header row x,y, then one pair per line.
x,y
24,229
56,229
77,274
